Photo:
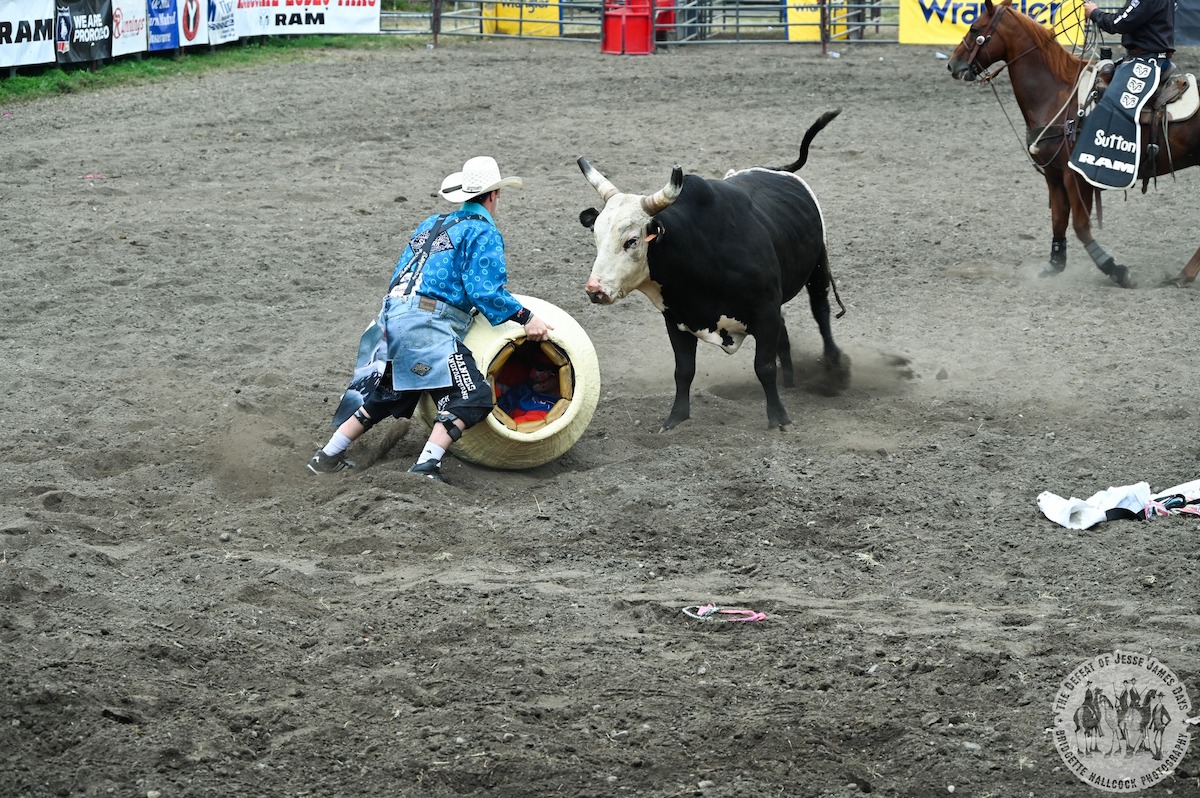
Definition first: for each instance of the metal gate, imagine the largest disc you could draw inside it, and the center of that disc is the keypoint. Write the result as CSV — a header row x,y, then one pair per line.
x,y
674,22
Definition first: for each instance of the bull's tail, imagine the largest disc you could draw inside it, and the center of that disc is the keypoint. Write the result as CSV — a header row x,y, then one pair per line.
x,y
836,295
824,264
816,128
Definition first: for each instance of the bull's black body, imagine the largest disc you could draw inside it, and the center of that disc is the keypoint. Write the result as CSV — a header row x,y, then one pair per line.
x,y
740,248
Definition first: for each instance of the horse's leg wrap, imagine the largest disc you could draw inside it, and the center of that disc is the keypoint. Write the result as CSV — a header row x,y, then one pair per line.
x,y
447,420
1100,257
1058,254
1105,263
362,418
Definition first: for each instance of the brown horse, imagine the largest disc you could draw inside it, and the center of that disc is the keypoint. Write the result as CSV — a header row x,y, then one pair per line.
x,y
1044,77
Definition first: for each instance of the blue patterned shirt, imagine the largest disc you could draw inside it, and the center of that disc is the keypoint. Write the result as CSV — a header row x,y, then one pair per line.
x,y
465,267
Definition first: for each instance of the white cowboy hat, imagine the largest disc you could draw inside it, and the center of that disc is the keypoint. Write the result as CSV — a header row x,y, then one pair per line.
x,y
479,175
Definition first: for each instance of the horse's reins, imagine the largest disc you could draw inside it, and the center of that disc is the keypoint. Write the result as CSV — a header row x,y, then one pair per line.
x,y
980,42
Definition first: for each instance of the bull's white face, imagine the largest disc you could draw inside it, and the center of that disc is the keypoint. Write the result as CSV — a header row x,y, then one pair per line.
x,y
621,264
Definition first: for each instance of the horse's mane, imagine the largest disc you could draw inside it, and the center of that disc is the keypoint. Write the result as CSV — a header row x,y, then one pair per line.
x,y
1062,64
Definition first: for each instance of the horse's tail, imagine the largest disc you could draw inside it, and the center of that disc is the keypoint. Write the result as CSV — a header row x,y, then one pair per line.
x,y
809,135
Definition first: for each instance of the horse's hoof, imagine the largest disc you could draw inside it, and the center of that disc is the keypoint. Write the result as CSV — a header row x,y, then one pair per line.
x,y
1052,270
1120,276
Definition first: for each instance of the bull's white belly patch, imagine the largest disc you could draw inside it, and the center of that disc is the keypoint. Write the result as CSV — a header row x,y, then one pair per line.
x,y
727,333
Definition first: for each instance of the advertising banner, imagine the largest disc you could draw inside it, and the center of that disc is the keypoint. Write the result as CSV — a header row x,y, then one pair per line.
x,y
193,22
162,26
1187,23
26,32
82,31
222,25
945,22
128,27
252,17
804,21
524,19
312,16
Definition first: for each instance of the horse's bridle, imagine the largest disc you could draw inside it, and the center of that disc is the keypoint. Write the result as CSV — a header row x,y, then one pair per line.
x,y
974,47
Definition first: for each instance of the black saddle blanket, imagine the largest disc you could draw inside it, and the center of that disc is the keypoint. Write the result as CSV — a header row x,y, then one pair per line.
x,y
1109,146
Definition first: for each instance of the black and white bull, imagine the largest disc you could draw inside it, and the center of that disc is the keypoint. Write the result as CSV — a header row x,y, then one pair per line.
x,y
719,258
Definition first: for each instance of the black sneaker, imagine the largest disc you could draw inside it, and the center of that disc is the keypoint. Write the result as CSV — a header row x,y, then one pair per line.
x,y
430,468
322,463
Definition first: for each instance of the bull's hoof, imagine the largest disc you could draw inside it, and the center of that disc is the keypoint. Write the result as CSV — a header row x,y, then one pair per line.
x,y
785,426
837,375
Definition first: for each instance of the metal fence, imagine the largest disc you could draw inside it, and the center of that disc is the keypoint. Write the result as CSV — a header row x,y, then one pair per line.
x,y
674,22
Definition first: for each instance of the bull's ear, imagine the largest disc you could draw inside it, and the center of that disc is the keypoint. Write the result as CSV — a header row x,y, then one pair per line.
x,y
654,231
587,217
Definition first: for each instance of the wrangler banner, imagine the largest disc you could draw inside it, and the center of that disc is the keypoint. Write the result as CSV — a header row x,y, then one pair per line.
x,y
946,21
1187,23
523,19
804,21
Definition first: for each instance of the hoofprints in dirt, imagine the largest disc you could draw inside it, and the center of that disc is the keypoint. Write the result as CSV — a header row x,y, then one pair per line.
x,y
185,612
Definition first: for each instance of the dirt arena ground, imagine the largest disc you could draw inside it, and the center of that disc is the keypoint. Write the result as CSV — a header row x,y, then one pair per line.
x,y
185,611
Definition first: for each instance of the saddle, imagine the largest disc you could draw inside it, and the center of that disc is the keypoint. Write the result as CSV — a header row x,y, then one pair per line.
x,y
1177,97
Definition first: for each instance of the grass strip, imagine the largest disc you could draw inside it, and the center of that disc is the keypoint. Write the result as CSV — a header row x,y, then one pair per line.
x,y
33,83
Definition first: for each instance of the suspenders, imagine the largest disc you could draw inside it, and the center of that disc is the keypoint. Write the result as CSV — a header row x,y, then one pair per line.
x,y
424,244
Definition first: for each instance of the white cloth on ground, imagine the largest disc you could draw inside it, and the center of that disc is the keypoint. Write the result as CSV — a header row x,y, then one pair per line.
x,y
1076,513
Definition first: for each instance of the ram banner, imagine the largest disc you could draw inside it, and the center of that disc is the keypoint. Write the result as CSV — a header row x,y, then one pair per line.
x,y
946,21
26,32
309,16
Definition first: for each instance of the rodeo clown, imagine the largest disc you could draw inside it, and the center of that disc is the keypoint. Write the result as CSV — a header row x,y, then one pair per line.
x,y
1109,144
452,268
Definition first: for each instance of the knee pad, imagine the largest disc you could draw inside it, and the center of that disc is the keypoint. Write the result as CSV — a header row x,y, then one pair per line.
x,y
361,416
472,415
447,419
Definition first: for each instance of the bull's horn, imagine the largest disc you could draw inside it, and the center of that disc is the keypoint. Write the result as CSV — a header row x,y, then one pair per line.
x,y
658,201
598,181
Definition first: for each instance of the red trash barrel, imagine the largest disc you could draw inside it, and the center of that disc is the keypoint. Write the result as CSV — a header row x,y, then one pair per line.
x,y
626,28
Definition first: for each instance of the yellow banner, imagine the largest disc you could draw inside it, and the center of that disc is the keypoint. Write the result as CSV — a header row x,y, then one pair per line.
x,y
522,19
804,21
947,21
